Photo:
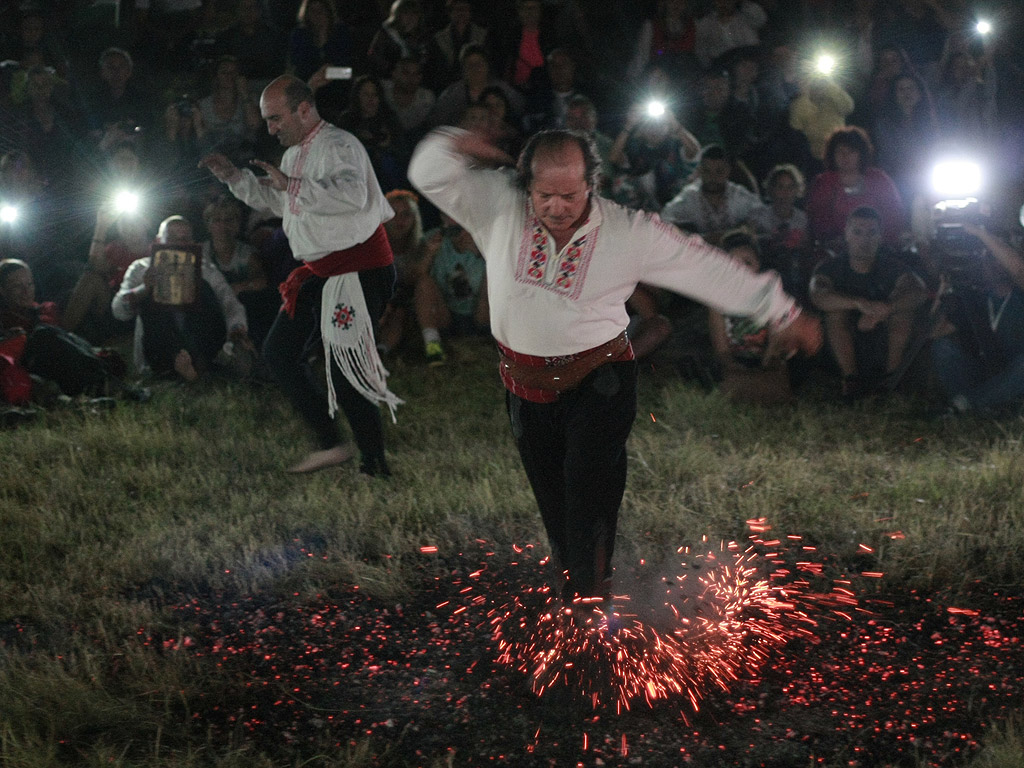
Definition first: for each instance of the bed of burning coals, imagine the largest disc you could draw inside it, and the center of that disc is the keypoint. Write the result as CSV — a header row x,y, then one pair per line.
x,y
753,653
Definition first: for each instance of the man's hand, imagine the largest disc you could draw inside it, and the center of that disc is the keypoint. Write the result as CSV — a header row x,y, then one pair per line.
x,y
275,176
240,336
804,334
872,313
479,148
221,167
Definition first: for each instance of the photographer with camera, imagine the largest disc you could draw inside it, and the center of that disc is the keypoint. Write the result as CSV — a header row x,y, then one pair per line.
x,y
979,352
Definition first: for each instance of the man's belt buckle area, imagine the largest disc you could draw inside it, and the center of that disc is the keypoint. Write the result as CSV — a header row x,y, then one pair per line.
x,y
560,374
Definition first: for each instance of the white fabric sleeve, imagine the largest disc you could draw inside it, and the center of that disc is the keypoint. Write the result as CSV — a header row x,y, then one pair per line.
x,y
469,195
688,265
121,306
258,196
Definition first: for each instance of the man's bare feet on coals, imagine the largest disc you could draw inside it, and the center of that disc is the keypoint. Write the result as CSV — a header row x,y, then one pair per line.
x,y
317,460
184,368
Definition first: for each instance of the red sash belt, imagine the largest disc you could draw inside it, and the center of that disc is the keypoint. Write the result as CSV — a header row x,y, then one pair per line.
x,y
540,379
373,252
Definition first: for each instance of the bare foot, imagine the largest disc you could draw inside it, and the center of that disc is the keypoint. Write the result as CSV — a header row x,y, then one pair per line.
x,y
184,368
317,460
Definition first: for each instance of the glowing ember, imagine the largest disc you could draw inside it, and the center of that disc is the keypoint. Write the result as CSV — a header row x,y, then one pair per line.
x,y
915,680
717,619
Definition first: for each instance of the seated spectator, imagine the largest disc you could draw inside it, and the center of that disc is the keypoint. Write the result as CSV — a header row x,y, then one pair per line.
x,y
403,35
405,234
741,346
410,102
718,118
549,92
712,204
259,48
36,226
524,45
870,299
668,39
119,105
582,116
476,78
851,181
177,340
240,265
819,110
503,133
229,119
88,312
451,290
370,119
979,354
653,156
319,39
34,345
37,43
52,131
965,92
782,229
442,64
906,135
730,24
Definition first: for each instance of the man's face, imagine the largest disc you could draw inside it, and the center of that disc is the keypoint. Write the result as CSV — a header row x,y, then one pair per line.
x,y
713,176
784,189
115,70
559,190
863,236
282,121
178,233
19,290
407,74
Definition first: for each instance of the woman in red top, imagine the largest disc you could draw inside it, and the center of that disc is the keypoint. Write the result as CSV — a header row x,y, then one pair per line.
x,y
851,181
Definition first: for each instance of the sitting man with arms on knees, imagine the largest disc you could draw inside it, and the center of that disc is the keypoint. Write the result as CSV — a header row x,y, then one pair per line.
x,y
870,299
183,340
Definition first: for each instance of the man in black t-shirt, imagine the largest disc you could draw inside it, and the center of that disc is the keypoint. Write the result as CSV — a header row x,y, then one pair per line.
x,y
870,300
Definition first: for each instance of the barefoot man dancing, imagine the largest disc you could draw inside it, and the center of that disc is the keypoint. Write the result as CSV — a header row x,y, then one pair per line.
x,y
333,213
561,263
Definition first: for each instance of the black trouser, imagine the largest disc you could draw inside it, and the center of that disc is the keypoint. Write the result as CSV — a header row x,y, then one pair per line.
x,y
167,330
287,350
574,454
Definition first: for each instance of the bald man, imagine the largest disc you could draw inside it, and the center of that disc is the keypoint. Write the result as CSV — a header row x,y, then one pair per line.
x,y
333,212
561,263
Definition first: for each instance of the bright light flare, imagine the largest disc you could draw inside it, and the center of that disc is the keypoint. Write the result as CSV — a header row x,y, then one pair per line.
x,y
825,64
655,108
8,214
956,178
126,201
983,27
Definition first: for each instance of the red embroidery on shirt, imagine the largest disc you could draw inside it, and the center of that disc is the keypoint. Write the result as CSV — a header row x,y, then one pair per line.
x,y
535,259
295,175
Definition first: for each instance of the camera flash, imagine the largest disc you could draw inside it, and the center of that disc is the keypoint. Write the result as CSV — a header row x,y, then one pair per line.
x,y
825,64
126,202
655,108
8,214
983,27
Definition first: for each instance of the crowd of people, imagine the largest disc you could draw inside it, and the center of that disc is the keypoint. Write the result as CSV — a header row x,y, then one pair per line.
x,y
708,113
